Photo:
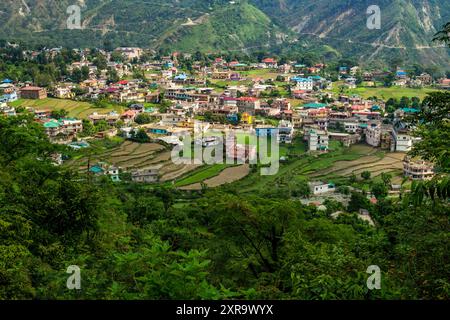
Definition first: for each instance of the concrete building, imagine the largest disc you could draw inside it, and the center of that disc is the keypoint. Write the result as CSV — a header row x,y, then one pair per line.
x,y
36,93
403,140
373,136
417,169
317,140
149,175
319,187
248,105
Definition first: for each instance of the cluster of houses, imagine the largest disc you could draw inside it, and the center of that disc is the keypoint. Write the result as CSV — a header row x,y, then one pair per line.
x,y
246,103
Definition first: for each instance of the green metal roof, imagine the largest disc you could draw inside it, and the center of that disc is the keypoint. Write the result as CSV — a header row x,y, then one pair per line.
x,y
315,105
52,124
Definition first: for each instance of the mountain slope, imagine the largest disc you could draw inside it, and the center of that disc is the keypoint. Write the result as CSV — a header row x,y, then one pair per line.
x,y
407,26
231,27
188,24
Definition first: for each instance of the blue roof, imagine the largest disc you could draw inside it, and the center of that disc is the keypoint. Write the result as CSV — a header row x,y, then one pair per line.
x,y
7,81
300,79
96,169
410,110
181,77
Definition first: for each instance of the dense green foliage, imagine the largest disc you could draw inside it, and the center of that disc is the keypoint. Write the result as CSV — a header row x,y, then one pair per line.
x,y
244,25
154,242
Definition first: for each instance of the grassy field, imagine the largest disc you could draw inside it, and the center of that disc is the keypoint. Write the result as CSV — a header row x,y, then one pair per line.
x,y
260,73
77,109
228,175
384,93
202,174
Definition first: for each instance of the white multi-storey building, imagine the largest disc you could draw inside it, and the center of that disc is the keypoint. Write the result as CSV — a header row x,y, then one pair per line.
x,y
373,136
318,140
403,140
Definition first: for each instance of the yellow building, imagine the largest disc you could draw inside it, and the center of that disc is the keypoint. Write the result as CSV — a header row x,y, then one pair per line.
x,y
247,118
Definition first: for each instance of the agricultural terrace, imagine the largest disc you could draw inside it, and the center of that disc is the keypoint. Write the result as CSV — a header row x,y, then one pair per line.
x,y
336,166
76,109
132,156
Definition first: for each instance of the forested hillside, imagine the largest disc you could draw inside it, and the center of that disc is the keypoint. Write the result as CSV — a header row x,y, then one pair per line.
x,y
154,242
407,26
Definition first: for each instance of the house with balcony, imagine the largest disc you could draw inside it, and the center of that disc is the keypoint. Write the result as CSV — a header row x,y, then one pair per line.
x,y
417,169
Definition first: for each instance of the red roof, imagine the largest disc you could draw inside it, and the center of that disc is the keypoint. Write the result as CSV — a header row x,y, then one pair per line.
x,y
358,107
250,99
269,60
366,113
129,113
123,82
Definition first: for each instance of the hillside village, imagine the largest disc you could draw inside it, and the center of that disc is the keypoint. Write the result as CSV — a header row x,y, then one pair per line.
x,y
247,151
162,98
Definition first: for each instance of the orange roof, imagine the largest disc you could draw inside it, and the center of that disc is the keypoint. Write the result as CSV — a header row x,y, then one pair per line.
x,y
269,60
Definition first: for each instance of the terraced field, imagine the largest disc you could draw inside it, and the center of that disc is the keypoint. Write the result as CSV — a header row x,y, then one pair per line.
x,y
132,156
376,165
77,109
228,175
339,164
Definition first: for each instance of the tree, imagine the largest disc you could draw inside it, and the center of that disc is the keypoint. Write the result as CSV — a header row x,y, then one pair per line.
x,y
101,126
116,56
140,136
100,62
387,178
379,190
358,201
366,175
84,73
112,75
143,118
433,127
59,114
88,128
